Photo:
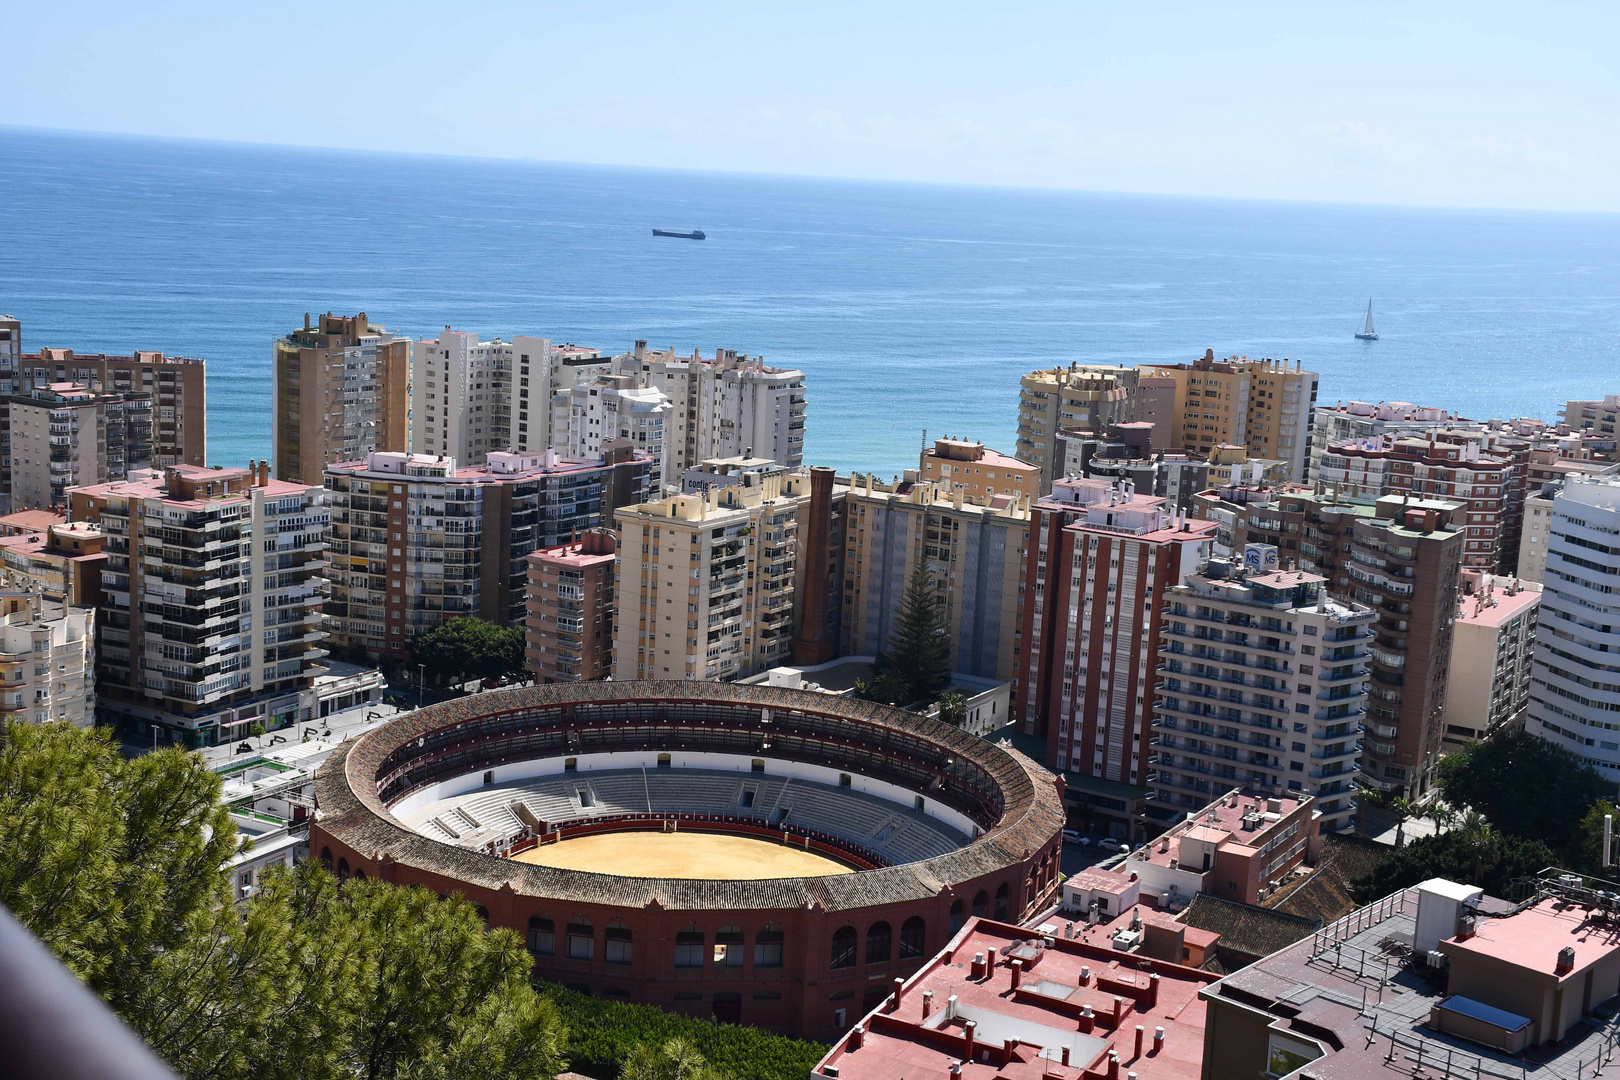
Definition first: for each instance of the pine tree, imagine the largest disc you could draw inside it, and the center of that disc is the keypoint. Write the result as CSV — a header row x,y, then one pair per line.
x,y
921,657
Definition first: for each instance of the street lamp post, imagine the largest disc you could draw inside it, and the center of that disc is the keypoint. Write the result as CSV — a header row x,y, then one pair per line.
x,y
421,675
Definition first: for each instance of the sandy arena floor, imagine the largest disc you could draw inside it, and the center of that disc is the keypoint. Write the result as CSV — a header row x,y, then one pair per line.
x,y
682,855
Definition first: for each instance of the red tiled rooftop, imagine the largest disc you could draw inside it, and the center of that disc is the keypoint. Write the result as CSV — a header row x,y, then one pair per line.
x,y
1014,1026
1533,938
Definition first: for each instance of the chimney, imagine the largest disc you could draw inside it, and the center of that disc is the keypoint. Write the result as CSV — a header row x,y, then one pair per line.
x,y
306,320
1017,973
969,1029
1140,1033
1087,1020
1119,1010
899,984
1566,959
1153,992
1113,1065
264,472
978,968
928,1003
1158,1039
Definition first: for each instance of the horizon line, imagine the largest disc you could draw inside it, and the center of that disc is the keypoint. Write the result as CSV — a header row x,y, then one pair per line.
x,y
90,134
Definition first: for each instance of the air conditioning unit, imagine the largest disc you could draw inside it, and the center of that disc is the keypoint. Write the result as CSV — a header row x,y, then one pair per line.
x,y
1127,940
1437,959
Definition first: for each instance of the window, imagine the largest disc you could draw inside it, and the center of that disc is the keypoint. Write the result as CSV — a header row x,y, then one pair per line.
x,y
728,947
326,859
1001,901
981,903
689,949
956,917
616,945
663,761
768,948
877,943
343,869
913,938
581,941
542,936
843,948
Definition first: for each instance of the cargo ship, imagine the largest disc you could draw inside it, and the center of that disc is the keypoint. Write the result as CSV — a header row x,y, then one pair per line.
x,y
694,235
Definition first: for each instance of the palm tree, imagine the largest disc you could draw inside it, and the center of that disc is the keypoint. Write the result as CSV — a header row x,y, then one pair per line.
x,y
1405,809
1481,838
1443,816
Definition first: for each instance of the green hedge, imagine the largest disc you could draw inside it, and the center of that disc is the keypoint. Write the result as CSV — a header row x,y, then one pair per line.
x,y
602,1033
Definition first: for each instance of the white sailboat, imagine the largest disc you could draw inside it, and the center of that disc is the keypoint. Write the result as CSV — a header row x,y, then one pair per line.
x,y
1368,334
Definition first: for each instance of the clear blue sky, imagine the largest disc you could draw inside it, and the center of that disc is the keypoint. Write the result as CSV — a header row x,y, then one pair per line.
x,y
1476,104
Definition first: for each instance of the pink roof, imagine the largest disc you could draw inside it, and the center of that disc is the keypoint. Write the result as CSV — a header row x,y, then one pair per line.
x,y
1014,1026
33,520
1108,881
1226,831
1505,609
1532,939
570,555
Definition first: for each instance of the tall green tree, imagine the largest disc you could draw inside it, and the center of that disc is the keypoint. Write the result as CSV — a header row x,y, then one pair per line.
x,y
459,650
1492,861
117,866
921,655
1524,785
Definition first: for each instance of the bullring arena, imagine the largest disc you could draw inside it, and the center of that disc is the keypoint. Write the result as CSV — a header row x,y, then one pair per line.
x,y
765,856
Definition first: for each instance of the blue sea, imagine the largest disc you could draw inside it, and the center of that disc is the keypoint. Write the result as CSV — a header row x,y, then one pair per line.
x,y
910,307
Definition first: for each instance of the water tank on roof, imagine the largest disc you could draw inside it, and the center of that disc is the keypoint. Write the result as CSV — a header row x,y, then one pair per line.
x,y
1440,907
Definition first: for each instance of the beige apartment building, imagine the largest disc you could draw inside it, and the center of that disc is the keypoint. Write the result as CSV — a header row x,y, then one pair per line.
x,y
705,587
62,562
211,600
176,386
47,659
723,407
65,435
973,550
568,635
977,471
340,389
1263,405
1059,400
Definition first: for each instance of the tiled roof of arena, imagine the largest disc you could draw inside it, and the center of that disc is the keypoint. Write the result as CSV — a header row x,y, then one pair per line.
x,y
352,810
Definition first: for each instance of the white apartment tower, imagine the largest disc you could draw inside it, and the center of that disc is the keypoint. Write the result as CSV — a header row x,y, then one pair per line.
x,y
1263,684
1575,678
705,582
613,407
723,407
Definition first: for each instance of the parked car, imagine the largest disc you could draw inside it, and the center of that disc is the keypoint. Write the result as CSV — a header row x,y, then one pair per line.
x,y
1108,843
1075,836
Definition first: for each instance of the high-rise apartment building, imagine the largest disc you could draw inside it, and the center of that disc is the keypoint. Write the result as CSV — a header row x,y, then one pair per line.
x,y
1056,401
980,473
62,562
211,599
568,636
1574,682
1100,560
973,550
417,539
706,581
1493,642
176,385
1263,405
339,390
47,659
1486,484
724,407
65,435
1406,564
10,352
1538,513
1365,421
1263,683
614,408
1601,415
